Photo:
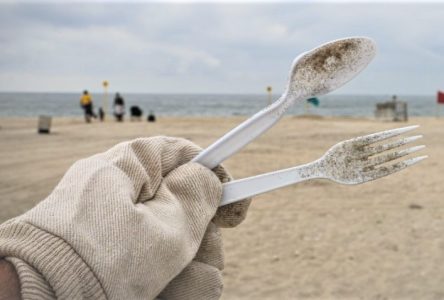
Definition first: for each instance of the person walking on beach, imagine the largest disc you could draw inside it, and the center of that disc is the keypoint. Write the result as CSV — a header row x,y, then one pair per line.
x,y
119,107
139,221
87,105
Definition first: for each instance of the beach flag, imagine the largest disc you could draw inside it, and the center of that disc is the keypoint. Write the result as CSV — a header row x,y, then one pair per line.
x,y
440,97
315,101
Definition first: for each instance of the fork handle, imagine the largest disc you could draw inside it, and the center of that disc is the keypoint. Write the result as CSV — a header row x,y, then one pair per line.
x,y
243,134
237,190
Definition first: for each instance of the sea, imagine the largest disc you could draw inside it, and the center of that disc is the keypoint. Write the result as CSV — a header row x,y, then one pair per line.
x,y
67,104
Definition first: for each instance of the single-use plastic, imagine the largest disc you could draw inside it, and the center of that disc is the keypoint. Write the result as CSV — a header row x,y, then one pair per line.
x,y
313,73
348,162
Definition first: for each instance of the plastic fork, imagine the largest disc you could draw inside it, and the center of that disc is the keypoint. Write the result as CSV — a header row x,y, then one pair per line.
x,y
352,161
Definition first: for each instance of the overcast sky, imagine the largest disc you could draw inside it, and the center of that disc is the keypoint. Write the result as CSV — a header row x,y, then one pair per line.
x,y
211,47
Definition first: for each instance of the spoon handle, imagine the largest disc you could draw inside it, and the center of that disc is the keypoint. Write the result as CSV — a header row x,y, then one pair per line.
x,y
236,190
243,134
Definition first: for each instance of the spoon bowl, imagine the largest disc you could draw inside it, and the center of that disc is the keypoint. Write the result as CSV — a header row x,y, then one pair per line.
x,y
313,73
329,66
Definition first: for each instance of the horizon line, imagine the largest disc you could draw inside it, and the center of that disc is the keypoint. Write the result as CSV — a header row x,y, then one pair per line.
x,y
214,93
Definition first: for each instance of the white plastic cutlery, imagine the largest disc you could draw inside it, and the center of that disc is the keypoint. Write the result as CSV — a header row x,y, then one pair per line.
x,y
349,162
313,73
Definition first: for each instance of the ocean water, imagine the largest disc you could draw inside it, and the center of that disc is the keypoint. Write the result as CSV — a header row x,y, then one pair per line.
x,y
67,104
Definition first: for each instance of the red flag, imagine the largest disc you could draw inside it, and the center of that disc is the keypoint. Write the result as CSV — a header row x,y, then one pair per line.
x,y
440,97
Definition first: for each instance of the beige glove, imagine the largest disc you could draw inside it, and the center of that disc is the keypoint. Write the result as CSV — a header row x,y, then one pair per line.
x,y
202,278
122,225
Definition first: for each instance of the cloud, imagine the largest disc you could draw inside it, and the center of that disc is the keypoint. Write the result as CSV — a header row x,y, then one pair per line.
x,y
203,47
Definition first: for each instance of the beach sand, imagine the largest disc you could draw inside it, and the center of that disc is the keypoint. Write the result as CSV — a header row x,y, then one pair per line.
x,y
315,240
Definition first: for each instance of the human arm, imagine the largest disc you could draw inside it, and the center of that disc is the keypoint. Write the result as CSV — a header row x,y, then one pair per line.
x,y
122,224
9,282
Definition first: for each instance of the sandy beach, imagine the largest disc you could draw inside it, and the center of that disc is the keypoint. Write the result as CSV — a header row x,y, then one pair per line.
x,y
315,240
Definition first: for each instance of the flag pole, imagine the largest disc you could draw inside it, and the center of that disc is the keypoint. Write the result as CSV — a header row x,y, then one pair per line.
x,y
269,90
439,100
105,96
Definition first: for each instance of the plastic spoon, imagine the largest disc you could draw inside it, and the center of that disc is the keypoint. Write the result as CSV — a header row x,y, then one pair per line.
x,y
313,73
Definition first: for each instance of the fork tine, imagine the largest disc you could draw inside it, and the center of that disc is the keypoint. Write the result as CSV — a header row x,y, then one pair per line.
x,y
384,171
384,158
372,150
379,136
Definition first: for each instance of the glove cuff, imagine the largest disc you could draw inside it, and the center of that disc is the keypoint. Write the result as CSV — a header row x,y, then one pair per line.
x,y
52,265
32,284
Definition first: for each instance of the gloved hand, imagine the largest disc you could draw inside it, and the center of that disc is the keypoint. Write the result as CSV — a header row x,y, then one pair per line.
x,y
202,278
130,223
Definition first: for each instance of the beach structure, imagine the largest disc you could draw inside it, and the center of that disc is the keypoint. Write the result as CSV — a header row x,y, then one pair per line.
x,y
270,94
44,124
105,85
394,110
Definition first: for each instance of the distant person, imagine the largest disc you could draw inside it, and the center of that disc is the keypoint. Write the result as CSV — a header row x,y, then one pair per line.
x,y
87,105
151,117
119,107
135,113
101,114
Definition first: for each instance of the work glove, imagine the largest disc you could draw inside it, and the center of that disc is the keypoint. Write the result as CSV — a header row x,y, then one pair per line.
x,y
136,222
